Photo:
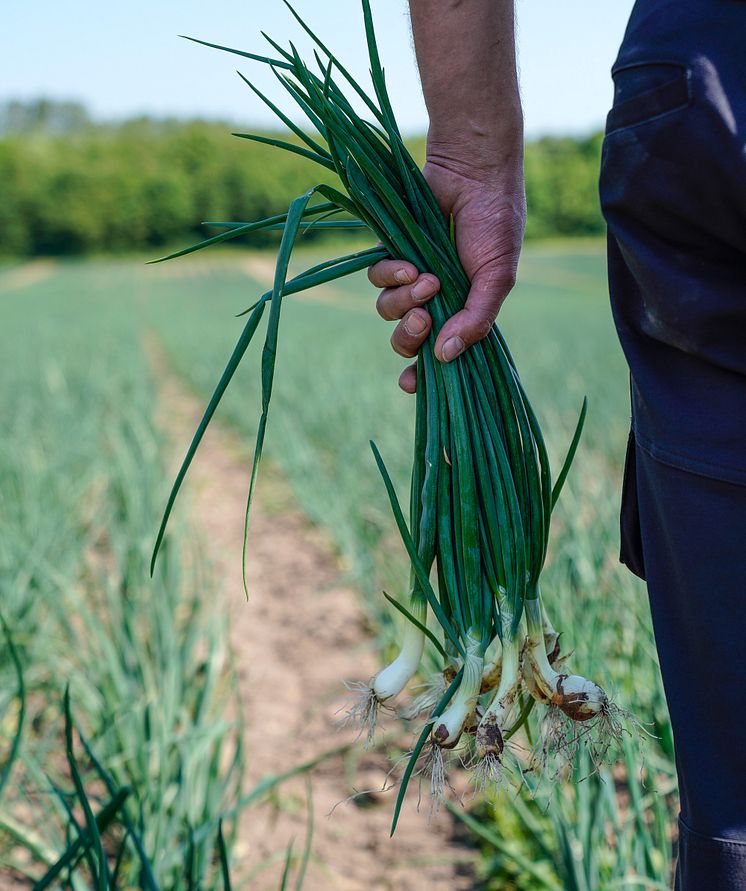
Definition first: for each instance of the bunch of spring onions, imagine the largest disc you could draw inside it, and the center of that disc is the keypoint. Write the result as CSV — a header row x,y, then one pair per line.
x,y
481,493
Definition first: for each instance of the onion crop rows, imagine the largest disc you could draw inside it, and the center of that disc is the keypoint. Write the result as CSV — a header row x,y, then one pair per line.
x,y
319,436
120,748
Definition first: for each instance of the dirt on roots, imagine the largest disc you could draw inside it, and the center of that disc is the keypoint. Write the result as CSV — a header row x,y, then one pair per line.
x,y
297,638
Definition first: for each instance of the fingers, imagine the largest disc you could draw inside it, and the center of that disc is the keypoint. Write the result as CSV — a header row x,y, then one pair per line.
x,y
392,273
411,332
408,379
404,290
394,303
489,288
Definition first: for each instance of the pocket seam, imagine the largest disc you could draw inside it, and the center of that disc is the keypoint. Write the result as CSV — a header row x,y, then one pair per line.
x,y
721,472
730,846
643,63
681,97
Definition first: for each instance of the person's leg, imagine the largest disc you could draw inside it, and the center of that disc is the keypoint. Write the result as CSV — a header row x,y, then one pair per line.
x,y
673,190
693,531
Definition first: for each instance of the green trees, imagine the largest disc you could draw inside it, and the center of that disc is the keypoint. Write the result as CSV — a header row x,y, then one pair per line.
x,y
561,186
71,187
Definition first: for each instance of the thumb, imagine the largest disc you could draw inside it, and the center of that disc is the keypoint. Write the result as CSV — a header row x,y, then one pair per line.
x,y
488,291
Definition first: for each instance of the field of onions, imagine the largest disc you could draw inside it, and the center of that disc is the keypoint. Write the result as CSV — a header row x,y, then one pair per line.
x,y
120,746
83,482
335,389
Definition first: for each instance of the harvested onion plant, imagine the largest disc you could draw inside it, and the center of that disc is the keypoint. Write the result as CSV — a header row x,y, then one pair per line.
x,y
481,491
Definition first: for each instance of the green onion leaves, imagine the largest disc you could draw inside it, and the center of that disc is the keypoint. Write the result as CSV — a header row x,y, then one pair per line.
x,y
481,493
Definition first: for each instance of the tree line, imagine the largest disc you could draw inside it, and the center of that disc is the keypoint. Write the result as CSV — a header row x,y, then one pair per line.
x,y
71,186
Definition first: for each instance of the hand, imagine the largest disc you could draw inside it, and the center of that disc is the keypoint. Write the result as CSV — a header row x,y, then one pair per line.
x,y
489,213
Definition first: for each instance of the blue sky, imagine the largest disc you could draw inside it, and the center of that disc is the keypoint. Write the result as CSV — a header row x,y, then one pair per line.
x,y
125,58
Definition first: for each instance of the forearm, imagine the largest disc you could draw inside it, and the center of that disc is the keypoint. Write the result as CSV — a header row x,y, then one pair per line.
x,y
466,57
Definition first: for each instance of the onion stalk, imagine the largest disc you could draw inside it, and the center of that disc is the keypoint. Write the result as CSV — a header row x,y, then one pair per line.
x,y
448,726
392,679
579,698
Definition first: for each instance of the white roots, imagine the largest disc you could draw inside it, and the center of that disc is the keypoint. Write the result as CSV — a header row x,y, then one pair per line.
x,y
435,762
435,768
363,710
431,692
389,682
488,774
561,738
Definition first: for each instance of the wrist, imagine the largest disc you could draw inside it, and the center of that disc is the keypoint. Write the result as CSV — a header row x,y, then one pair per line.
x,y
477,150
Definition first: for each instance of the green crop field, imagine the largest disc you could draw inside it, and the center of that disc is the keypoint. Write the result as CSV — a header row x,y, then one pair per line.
x,y
82,485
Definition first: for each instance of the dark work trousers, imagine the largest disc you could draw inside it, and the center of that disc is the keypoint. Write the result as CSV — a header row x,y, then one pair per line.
x,y
673,190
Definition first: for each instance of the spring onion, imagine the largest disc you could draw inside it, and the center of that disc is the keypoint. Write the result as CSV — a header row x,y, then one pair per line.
x,y
481,494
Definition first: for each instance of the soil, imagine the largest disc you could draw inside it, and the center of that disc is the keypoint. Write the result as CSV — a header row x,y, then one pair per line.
x,y
259,268
301,633
26,274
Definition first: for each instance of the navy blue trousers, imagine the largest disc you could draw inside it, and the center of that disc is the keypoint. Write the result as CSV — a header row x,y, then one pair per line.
x,y
673,191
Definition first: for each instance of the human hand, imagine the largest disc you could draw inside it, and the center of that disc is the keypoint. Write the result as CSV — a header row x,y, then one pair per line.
x,y
489,212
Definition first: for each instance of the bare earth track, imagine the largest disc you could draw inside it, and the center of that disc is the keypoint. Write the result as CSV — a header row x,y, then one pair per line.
x,y
295,640
25,274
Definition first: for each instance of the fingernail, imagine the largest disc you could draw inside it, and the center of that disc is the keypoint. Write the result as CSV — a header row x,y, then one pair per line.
x,y
453,347
402,276
414,324
423,290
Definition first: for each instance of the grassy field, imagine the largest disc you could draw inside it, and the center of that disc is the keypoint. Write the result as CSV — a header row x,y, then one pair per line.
x,y
79,396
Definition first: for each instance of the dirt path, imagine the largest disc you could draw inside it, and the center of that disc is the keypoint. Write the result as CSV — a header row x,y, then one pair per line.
x,y
258,267
297,638
25,275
